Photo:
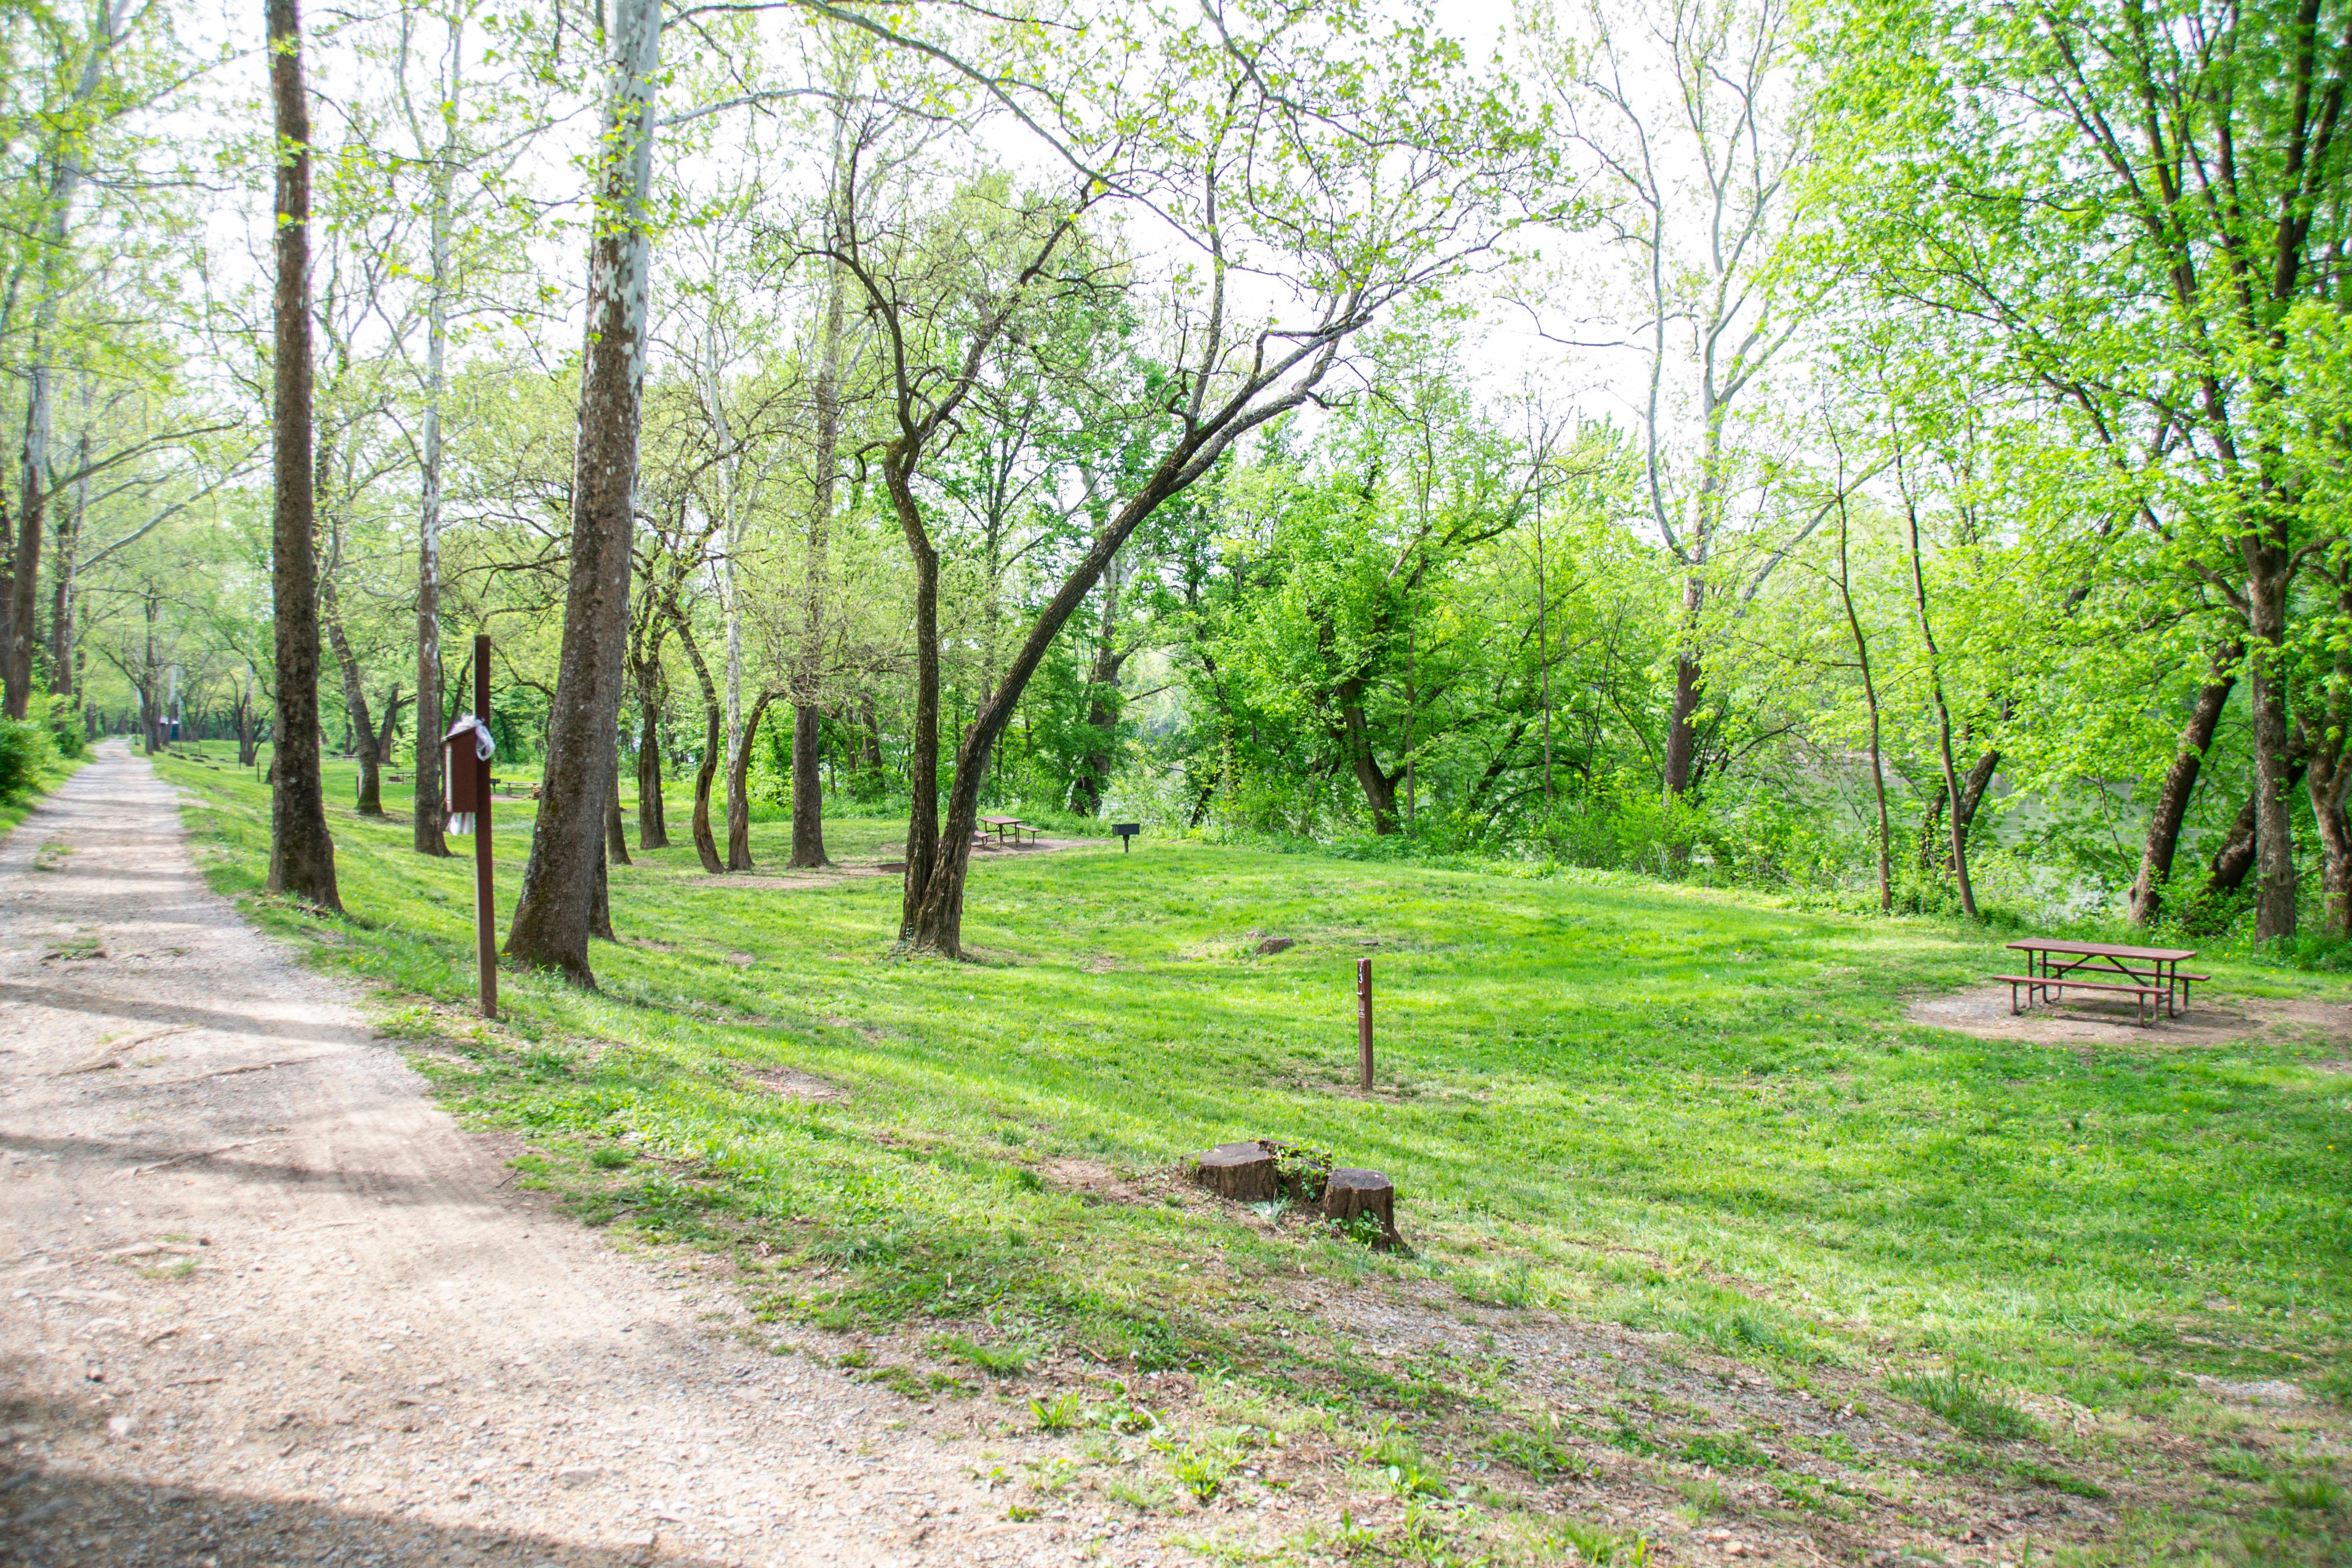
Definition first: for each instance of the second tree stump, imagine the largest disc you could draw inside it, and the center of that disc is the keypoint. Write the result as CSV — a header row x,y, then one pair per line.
x,y
1351,1193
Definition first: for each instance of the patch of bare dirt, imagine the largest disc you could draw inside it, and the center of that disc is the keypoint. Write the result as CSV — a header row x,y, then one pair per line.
x,y
791,1083
1983,1012
1094,1182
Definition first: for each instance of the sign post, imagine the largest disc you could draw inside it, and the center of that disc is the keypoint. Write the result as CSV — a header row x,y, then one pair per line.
x,y
1364,1024
486,917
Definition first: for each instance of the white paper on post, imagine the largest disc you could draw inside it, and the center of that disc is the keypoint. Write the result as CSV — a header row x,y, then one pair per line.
x,y
485,746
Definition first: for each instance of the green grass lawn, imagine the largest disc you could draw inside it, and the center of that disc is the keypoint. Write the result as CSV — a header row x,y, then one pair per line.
x,y
1679,1111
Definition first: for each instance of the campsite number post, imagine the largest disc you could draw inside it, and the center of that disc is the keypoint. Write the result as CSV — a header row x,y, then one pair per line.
x,y
1364,1024
486,933
466,774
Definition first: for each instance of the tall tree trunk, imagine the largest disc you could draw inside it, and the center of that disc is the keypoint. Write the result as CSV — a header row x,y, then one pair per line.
x,y
427,835
713,731
1682,733
356,702
25,561
1870,697
739,784
247,750
2145,901
388,729
1959,827
653,828
2326,781
301,855
2327,740
616,841
64,572
555,914
67,157
600,909
929,853
1973,788
2274,891
737,761
1356,739
1102,706
808,677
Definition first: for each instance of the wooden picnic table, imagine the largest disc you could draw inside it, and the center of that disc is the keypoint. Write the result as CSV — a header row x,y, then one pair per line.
x,y
1007,824
2148,971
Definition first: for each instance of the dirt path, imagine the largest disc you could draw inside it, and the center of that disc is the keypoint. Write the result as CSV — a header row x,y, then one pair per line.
x,y
260,1302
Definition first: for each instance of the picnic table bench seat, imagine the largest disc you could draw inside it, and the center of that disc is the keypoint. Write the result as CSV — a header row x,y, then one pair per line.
x,y
2147,996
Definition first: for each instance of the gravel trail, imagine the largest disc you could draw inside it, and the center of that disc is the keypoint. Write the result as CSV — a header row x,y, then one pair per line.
x,y
262,1302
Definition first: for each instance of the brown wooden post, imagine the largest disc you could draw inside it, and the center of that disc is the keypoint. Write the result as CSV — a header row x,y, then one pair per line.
x,y
1364,1024
485,915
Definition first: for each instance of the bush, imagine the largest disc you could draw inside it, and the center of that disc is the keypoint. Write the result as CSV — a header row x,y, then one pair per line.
x,y
27,750
66,731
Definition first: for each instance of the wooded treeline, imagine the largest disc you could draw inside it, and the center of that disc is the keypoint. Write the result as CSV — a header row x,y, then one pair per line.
x,y
1899,451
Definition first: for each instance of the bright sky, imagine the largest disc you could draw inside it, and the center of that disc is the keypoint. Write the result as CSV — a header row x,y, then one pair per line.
x,y
1512,356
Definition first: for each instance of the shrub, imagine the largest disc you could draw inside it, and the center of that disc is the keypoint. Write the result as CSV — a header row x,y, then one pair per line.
x,y
25,750
66,732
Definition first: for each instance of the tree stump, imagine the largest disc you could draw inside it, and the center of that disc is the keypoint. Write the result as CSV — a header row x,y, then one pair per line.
x,y
1242,1172
1351,1192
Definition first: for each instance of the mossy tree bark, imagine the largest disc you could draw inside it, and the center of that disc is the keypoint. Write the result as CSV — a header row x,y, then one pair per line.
x,y
301,853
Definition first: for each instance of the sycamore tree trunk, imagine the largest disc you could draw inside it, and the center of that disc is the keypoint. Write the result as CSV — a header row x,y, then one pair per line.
x,y
563,880
808,678
356,702
714,721
2172,797
427,835
301,855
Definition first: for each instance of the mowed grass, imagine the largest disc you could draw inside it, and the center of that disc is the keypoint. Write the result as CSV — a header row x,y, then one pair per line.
x,y
1679,1109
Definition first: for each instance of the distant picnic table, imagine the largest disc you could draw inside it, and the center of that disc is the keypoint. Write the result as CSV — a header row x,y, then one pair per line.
x,y
2151,974
1003,824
